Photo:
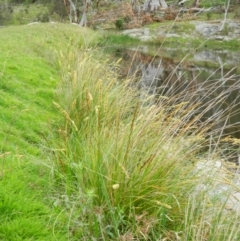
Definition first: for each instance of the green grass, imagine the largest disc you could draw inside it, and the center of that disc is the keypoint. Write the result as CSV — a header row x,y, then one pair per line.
x,y
231,45
206,3
25,211
84,158
29,77
109,39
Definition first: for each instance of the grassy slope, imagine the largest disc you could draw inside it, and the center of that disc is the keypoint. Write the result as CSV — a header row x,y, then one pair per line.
x,y
112,136
28,80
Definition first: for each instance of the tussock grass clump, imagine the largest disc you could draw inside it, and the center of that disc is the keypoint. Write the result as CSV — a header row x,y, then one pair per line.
x,y
127,167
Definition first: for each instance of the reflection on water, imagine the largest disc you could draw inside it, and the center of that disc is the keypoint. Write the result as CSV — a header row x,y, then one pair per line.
x,y
196,84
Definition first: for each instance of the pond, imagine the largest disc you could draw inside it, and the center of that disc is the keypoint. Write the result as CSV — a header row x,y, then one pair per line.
x,y
204,79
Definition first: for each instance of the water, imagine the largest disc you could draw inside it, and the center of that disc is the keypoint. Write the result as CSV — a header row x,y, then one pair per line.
x,y
204,79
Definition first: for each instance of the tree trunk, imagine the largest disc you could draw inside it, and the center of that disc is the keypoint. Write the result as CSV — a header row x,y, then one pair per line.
x,y
71,9
83,21
87,4
152,5
163,4
135,6
196,3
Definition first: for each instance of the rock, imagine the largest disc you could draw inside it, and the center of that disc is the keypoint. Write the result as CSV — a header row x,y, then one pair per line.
x,y
146,38
146,31
133,24
142,34
206,55
233,25
32,23
133,31
206,29
222,187
219,38
172,35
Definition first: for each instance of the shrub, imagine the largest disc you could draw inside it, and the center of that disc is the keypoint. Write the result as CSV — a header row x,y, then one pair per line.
x,y
237,13
6,12
209,15
119,23
58,8
43,17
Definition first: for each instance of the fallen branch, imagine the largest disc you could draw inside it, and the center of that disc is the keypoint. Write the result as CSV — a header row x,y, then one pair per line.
x,y
225,16
195,10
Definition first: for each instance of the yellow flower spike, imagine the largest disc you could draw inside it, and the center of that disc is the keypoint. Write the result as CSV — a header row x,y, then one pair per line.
x,y
119,61
89,99
115,186
96,109
61,54
99,86
74,78
89,96
4,154
163,204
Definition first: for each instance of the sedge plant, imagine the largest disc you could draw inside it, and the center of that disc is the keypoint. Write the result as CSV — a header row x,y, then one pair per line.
x,y
126,164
